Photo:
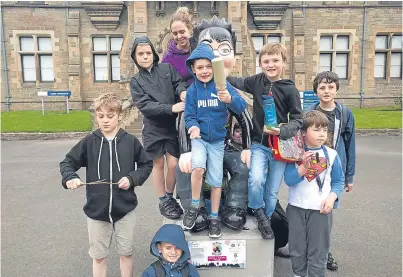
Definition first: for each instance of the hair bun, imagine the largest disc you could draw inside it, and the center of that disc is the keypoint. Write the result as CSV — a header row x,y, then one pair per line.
x,y
183,10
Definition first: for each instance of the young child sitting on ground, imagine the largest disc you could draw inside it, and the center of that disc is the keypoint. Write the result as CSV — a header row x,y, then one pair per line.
x,y
171,249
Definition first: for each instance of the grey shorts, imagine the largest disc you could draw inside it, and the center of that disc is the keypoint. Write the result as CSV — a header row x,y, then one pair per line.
x,y
100,236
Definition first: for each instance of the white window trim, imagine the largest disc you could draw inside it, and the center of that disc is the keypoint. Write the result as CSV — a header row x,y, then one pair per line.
x,y
108,52
36,53
388,51
334,51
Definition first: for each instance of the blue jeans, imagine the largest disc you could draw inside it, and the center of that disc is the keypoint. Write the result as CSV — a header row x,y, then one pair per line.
x,y
263,185
212,154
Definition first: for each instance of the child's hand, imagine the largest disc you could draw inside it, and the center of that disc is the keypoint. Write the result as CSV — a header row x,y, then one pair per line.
x,y
124,183
327,204
183,95
194,132
272,131
307,158
349,187
74,183
178,107
306,163
224,96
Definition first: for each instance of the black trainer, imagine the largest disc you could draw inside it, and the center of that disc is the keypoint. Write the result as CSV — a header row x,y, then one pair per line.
x,y
214,228
176,205
331,263
169,210
263,224
189,219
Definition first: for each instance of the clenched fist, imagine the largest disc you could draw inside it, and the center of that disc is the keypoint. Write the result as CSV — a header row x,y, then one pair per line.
x,y
124,183
73,183
224,96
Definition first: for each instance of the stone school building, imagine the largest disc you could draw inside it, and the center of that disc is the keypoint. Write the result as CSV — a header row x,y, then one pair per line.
x,y
84,47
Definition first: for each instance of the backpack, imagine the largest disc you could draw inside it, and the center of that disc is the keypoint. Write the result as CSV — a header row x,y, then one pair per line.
x,y
160,271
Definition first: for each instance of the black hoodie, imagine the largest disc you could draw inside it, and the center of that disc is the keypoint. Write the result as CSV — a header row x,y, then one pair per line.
x,y
109,161
287,100
155,91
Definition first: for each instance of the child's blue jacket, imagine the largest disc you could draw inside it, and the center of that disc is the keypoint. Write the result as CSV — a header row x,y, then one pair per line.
x,y
173,234
203,109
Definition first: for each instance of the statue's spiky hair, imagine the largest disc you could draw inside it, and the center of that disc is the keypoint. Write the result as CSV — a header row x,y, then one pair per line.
x,y
214,22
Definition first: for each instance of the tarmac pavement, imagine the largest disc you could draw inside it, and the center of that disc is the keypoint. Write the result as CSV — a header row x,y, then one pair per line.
x,y
44,232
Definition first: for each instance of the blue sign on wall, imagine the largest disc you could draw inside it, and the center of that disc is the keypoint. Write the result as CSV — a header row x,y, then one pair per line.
x,y
59,93
309,98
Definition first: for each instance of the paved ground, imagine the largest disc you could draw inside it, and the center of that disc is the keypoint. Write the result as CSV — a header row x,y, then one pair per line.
x,y
44,229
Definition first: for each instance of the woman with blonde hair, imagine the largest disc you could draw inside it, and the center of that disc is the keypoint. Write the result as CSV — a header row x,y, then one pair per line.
x,y
178,50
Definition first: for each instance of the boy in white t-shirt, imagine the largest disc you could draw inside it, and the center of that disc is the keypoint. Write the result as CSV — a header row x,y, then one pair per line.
x,y
315,187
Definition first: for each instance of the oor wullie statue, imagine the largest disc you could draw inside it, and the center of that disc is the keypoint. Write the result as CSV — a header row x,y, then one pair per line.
x,y
219,35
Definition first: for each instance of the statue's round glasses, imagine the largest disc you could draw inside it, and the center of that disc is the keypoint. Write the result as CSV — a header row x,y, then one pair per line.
x,y
223,49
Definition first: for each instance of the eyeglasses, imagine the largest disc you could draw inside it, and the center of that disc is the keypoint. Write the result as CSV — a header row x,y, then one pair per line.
x,y
223,49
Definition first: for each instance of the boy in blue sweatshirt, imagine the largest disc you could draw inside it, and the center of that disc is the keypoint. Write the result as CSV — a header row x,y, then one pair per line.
x,y
315,184
206,113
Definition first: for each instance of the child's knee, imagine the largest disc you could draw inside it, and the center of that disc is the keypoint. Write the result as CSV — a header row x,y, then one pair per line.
x,y
99,261
172,164
198,172
158,163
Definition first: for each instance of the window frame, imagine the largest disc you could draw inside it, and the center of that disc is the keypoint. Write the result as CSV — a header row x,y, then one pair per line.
x,y
36,53
108,53
334,51
388,51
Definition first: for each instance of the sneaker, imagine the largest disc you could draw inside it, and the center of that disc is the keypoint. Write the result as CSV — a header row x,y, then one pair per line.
x,y
263,224
331,263
201,222
169,210
176,205
189,219
214,228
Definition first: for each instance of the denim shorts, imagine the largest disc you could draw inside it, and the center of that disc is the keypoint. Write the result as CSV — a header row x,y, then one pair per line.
x,y
209,156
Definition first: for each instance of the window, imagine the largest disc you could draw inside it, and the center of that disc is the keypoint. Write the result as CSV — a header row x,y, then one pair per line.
x,y
334,54
36,59
259,41
106,59
388,56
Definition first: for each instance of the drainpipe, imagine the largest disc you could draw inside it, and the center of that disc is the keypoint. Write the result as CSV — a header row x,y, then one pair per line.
x,y
364,32
3,52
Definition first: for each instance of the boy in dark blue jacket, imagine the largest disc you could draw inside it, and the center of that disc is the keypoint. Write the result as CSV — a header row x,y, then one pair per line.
x,y
341,130
171,249
206,113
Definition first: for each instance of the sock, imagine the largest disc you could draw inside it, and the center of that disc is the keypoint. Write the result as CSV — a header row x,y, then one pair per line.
x,y
195,203
169,194
213,215
163,198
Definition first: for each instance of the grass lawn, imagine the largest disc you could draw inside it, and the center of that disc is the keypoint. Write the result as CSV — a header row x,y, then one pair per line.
x,y
378,118
51,122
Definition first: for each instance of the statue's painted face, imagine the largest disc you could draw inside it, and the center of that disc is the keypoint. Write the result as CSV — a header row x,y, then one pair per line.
x,y
220,41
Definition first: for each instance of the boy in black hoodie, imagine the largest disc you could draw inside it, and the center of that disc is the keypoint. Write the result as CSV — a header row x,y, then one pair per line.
x,y
265,172
156,91
110,156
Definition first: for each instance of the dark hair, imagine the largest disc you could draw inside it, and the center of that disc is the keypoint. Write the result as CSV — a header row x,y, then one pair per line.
x,y
217,29
327,77
314,118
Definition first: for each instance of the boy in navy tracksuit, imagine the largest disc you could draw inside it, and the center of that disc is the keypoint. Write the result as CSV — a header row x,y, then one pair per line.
x,y
206,113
